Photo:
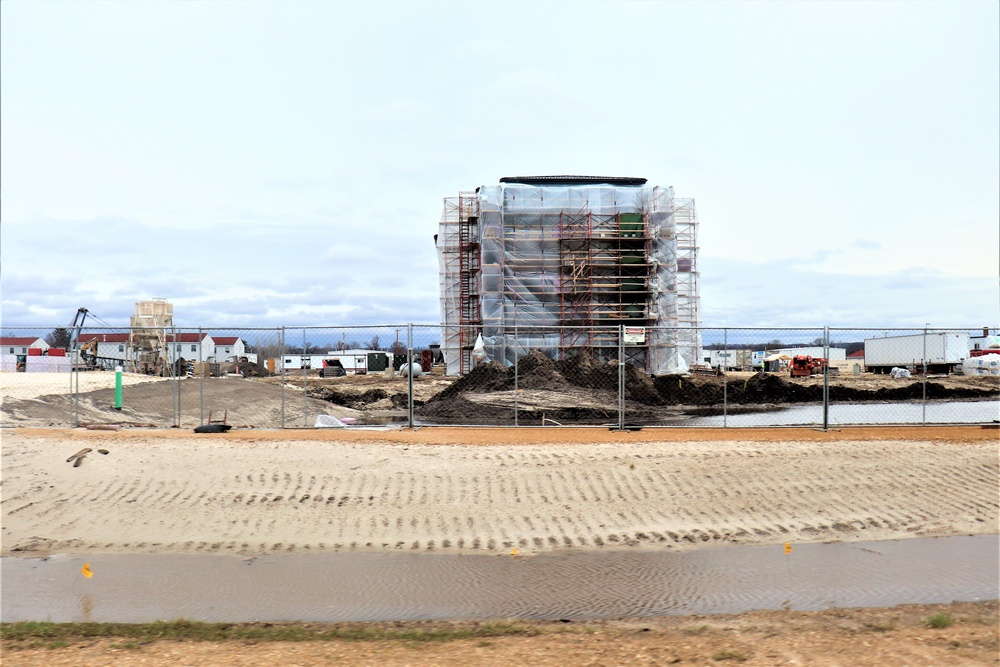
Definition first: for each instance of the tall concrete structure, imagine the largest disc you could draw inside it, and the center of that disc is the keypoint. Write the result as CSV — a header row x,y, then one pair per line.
x,y
568,264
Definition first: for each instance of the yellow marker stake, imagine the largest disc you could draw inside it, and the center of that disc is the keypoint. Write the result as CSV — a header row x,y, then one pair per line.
x,y
788,548
513,552
85,570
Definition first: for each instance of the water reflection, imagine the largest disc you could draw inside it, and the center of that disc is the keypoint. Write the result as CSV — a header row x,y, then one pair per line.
x,y
135,588
949,412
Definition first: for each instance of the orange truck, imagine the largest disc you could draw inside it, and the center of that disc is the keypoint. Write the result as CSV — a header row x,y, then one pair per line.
x,y
804,365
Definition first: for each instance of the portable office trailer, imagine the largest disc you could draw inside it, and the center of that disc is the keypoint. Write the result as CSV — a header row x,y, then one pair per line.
x,y
356,362
360,362
730,360
942,351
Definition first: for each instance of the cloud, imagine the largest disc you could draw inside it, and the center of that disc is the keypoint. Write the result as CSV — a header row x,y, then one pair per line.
x,y
302,183
781,294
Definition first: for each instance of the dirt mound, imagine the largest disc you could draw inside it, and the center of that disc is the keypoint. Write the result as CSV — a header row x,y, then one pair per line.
x,y
768,388
639,387
537,371
459,410
359,400
582,370
684,390
492,376
547,382
582,389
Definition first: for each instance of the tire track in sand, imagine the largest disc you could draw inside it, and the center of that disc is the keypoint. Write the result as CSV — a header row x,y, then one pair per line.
x,y
341,496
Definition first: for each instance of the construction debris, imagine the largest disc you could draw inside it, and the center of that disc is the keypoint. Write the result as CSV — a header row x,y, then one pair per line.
x,y
213,428
80,454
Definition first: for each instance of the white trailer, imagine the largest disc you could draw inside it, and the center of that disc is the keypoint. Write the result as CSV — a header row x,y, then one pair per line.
x,y
359,362
942,351
729,360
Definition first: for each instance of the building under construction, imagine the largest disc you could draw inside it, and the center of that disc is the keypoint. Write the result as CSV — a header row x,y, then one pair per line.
x,y
567,264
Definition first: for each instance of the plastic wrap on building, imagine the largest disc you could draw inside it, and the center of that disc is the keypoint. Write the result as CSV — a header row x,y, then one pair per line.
x,y
561,269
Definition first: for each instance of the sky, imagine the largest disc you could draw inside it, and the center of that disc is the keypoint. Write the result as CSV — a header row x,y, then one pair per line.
x,y
265,164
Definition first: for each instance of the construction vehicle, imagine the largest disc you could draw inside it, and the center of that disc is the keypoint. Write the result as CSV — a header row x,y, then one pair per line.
x,y
804,366
88,354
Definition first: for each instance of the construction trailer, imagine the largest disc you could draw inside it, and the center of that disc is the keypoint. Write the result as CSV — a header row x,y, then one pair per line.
x,y
939,351
728,360
354,362
563,264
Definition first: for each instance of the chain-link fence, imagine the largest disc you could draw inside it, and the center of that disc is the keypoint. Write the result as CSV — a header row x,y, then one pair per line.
x,y
615,377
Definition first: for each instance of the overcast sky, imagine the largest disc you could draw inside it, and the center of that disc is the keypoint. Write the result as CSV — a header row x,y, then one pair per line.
x,y
284,163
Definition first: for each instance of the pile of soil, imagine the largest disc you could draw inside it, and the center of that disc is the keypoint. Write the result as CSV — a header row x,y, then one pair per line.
x,y
359,400
765,388
595,384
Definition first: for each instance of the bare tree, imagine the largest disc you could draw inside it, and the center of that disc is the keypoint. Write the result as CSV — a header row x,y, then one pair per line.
x,y
373,343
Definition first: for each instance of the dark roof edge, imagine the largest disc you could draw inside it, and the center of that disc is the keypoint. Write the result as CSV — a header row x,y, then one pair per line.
x,y
573,180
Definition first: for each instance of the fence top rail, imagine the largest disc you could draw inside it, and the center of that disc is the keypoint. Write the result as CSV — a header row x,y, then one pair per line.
x,y
526,327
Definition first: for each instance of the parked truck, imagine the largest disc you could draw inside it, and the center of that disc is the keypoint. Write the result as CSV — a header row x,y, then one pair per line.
x,y
940,351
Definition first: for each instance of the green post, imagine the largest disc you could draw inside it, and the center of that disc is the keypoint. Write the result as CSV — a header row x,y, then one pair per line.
x,y
118,387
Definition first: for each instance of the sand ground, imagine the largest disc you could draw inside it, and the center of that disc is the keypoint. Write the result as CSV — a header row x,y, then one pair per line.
x,y
490,490
483,490
33,385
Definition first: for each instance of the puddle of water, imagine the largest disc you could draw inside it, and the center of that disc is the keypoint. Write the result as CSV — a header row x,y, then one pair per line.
x,y
383,420
948,412
134,588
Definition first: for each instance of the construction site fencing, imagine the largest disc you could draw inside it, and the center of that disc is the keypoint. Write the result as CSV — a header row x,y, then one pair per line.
x,y
355,376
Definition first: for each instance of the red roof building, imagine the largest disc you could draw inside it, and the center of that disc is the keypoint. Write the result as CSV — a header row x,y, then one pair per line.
x,y
104,337
20,344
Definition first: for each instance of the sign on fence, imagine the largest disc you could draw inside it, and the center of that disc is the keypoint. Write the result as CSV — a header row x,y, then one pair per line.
x,y
635,335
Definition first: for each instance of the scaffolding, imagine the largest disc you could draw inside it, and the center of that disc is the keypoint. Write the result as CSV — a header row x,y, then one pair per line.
x,y
569,261
469,264
688,296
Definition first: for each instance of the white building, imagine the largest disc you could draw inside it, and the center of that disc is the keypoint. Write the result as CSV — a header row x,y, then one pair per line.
x,y
14,347
188,346
225,348
110,346
18,345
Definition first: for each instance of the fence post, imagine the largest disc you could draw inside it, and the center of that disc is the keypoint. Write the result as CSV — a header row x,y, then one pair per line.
x,y
76,375
409,374
305,381
515,373
621,377
201,379
281,354
177,381
923,363
725,378
826,378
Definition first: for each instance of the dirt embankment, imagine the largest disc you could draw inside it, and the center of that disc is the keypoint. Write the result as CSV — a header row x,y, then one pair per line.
x,y
581,390
965,634
767,388
578,389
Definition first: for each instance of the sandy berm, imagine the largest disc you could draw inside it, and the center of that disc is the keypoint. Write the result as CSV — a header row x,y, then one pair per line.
x,y
490,490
